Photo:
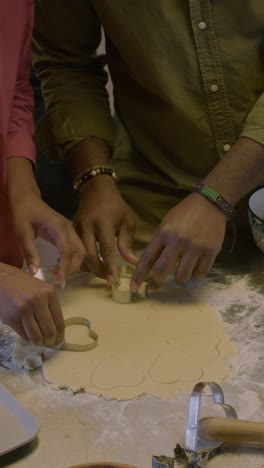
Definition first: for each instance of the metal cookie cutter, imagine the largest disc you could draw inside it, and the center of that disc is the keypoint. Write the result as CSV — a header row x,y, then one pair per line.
x,y
121,292
199,450
80,347
205,437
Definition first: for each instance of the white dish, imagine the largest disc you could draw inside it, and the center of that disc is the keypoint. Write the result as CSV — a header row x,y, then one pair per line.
x,y
17,425
256,203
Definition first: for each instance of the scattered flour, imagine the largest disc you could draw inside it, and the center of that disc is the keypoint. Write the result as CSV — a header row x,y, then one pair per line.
x,y
97,429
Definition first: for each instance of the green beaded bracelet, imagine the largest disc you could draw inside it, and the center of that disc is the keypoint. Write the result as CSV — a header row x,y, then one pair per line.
x,y
214,197
94,171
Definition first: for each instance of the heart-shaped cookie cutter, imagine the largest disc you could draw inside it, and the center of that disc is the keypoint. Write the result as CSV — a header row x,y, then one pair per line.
x,y
194,445
80,347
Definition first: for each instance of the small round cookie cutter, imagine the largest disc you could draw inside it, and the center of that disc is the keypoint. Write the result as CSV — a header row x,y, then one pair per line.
x,y
80,347
125,295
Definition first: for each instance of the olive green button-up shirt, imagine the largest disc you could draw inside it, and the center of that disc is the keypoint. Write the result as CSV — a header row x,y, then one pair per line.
x,y
188,80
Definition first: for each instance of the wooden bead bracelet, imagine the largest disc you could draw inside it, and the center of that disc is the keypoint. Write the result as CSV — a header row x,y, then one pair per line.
x,y
88,174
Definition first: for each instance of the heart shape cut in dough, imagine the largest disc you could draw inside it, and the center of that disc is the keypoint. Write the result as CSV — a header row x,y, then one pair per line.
x,y
173,366
200,346
113,372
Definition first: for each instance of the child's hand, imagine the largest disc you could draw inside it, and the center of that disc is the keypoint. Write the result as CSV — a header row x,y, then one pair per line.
x,y
30,306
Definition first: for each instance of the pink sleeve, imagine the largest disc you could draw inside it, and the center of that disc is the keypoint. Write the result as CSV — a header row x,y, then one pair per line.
x,y
21,125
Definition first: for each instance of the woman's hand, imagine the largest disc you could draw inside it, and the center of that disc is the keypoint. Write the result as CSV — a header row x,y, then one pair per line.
x,y
33,218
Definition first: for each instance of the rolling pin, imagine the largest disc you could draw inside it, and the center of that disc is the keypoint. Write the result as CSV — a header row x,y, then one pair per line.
x,y
231,431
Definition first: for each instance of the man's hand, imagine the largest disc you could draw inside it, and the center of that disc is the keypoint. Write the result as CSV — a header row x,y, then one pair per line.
x,y
103,216
30,306
191,234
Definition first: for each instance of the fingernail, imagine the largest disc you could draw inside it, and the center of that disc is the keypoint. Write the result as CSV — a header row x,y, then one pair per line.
x,y
32,269
134,286
63,284
59,343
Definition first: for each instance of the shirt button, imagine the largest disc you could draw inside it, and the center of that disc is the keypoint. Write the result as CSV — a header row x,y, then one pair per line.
x,y
202,25
214,88
227,147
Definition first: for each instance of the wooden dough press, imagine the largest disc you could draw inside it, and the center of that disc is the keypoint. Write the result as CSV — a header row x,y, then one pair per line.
x,y
206,436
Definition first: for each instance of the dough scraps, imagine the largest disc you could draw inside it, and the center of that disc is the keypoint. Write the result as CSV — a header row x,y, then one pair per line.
x,y
159,345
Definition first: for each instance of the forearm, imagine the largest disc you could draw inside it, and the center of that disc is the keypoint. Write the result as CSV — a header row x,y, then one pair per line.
x,y
21,121
89,152
240,171
20,178
72,75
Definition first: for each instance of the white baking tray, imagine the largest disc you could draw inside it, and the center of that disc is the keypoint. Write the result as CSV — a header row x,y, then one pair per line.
x,y
17,425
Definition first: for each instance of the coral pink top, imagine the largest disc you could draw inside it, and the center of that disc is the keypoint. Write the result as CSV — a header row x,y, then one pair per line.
x,y
16,107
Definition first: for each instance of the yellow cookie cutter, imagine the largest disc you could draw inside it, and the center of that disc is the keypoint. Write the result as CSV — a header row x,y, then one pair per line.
x,y
124,296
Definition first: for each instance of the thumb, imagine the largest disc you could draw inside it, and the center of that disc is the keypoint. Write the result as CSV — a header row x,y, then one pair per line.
x,y
27,241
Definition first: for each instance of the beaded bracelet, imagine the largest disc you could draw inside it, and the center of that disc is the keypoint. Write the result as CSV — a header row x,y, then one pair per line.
x,y
88,174
214,197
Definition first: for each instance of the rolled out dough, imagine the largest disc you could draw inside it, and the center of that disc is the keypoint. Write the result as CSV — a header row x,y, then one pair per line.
x,y
159,345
